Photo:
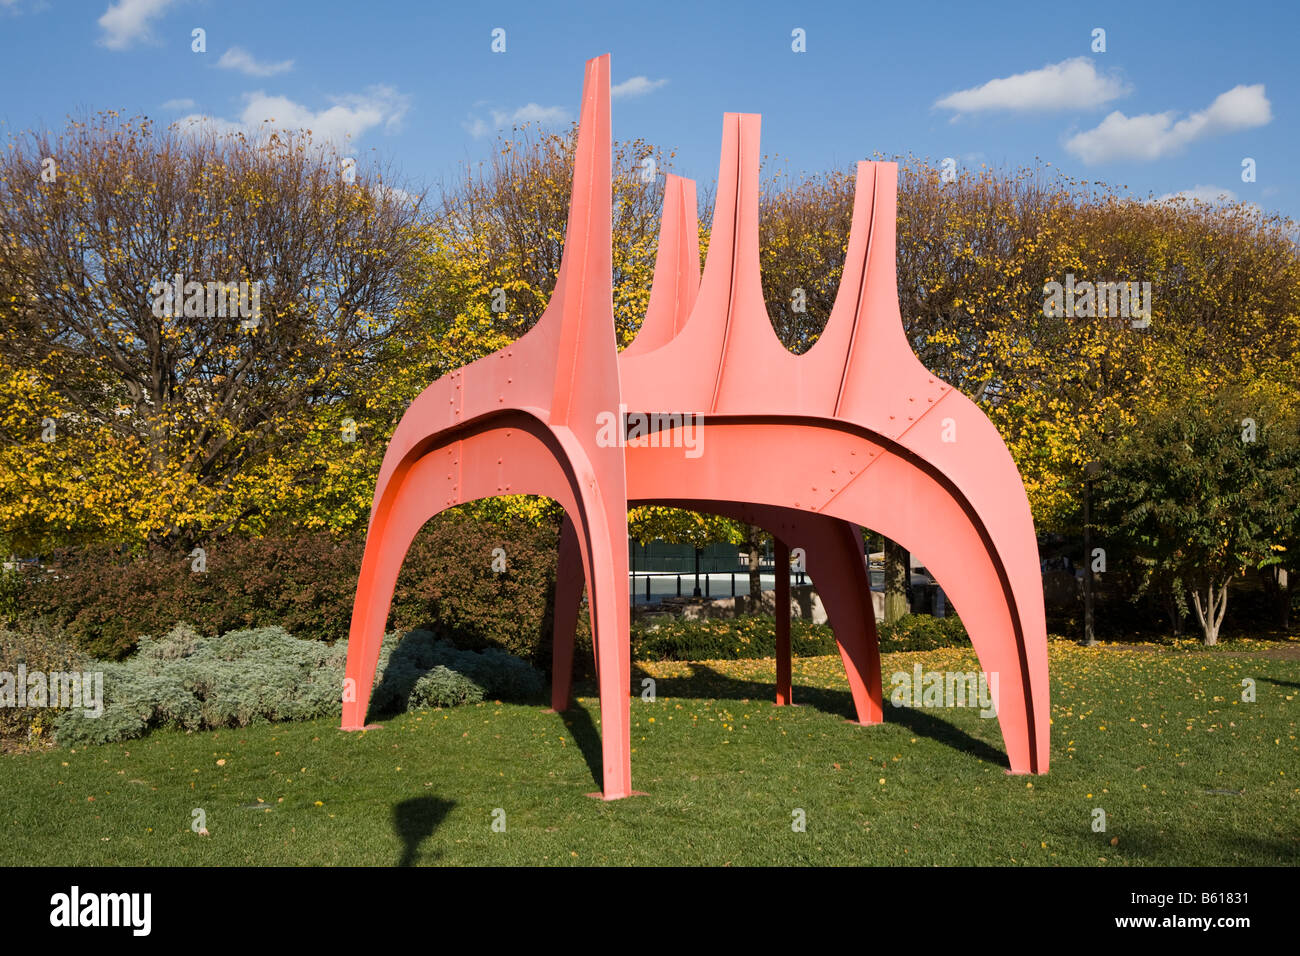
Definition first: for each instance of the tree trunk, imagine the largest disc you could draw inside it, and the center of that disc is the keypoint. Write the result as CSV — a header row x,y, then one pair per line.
x,y
898,574
1210,613
1279,595
754,541
1284,584
1175,615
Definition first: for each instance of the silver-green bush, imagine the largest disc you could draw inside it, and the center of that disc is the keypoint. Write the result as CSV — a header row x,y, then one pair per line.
x,y
188,681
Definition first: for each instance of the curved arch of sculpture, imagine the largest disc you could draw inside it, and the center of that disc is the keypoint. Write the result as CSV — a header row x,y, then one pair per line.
x,y
903,499
880,440
518,422
855,431
895,493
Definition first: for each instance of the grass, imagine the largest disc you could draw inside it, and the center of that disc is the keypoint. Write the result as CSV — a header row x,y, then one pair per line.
x,y
1160,740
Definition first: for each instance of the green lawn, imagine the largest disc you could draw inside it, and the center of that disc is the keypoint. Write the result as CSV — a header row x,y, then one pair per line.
x,y
1186,772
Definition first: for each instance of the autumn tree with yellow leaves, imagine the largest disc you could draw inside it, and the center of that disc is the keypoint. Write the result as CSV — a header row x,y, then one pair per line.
x,y
119,422
140,416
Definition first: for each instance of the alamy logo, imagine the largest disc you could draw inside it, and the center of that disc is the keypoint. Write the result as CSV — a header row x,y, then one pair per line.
x,y
651,430
103,909
55,689
212,300
945,689
1087,300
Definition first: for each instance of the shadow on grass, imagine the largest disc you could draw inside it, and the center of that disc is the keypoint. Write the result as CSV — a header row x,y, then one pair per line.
x,y
1157,848
925,724
580,723
1279,683
705,683
415,820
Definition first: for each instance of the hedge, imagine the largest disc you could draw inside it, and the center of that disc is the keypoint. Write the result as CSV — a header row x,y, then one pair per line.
x,y
754,635
104,600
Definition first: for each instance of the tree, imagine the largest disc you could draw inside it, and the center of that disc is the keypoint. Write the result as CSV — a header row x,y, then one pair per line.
x,y
186,412
679,526
1203,491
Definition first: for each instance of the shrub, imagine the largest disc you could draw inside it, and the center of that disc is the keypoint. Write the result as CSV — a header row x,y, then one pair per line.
x,y
38,649
442,687
448,586
187,681
405,661
102,600
105,599
921,632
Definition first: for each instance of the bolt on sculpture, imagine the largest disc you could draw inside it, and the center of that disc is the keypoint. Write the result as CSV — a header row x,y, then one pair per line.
x,y
854,432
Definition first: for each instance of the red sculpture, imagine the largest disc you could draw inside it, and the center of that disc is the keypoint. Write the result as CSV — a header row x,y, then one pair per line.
x,y
854,432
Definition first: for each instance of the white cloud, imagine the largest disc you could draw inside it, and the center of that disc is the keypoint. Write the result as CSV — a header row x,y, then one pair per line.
x,y
401,195
1154,135
1068,85
237,58
126,21
1201,193
636,86
201,122
1214,196
184,103
530,113
351,115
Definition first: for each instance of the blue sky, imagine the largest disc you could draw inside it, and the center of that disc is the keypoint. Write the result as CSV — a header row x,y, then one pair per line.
x,y
1182,94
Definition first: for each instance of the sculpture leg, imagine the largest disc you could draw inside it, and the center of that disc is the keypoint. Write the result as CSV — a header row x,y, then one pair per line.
x,y
784,694
834,555
937,528
604,555
834,559
836,565
519,456
406,511
568,598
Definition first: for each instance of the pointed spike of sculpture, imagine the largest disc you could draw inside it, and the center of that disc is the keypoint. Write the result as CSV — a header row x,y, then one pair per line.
x,y
677,269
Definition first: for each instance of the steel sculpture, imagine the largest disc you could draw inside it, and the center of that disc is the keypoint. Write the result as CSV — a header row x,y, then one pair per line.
x,y
854,432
